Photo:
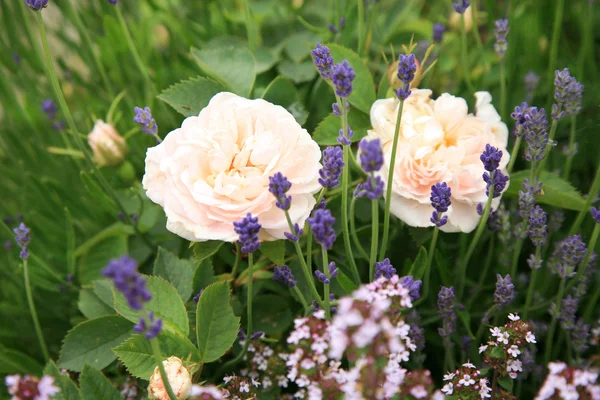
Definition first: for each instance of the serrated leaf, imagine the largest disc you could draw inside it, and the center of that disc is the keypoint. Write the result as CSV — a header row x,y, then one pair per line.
x,y
97,257
216,325
91,306
555,191
136,352
298,73
203,276
328,130
91,342
274,251
363,86
498,352
298,46
179,272
166,304
95,386
68,389
417,270
203,250
191,96
506,383
234,68
13,361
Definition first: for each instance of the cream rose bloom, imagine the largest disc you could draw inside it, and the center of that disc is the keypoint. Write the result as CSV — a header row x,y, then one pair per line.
x,y
179,378
439,141
215,169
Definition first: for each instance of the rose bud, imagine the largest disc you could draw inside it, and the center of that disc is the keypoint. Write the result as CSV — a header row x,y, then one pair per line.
x,y
108,146
455,23
179,378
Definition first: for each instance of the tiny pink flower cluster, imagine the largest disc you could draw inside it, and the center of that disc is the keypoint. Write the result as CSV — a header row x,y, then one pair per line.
x,y
30,387
569,383
467,383
240,388
506,344
266,366
419,385
209,392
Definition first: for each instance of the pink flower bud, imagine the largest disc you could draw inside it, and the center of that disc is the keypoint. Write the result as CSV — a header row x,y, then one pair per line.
x,y
108,146
179,378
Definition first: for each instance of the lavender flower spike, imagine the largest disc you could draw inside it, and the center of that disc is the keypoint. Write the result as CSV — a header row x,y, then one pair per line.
x,y
505,291
445,305
537,229
490,158
153,330
440,201
279,186
248,229
501,33
323,60
321,226
143,117
568,94
595,214
37,5
384,268
567,254
284,275
372,188
414,287
461,6
322,277
22,237
371,155
123,271
333,164
342,75
438,32
49,108
407,67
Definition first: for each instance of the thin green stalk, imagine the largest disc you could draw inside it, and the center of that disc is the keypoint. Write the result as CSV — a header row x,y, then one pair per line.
x,y
132,49
530,290
361,26
345,179
550,335
587,34
448,358
463,53
514,154
88,43
238,259
301,297
76,135
475,26
480,228
309,239
515,259
33,312
494,384
374,235
30,36
483,275
430,253
326,285
388,194
558,16
250,28
588,202
551,135
305,270
503,88
357,244
163,374
567,170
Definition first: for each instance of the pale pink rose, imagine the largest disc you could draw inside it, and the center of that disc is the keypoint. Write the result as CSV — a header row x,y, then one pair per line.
x,y
109,148
439,141
215,169
179,378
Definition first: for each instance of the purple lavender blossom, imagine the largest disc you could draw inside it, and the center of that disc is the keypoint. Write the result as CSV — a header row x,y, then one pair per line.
x,y
284,275
505,291
567,312
333,164
37,4
595,214
336,109
498,181
323,60
126,278
527,197
333,270
294,236
438,32
536,134
342,75
345,139
567,254
322,277
580,336
112,1
196,298
384,268
417,334
248,229
414,287
49,108
143,117
534,262
321,226
22,237
371,155
407,67
445,305
537,228
153,330
490,158
460,6
372,188
501,32
568,94
278,187
440,201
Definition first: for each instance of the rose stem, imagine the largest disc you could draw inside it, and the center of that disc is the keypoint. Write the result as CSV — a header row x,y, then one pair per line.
x,y
238,259
388,194
345,179
159,361
588,202
480,228
550,335
71,122
448,359
567,169
326,285
463,52
309,239
362,251
305,270
374,233
33,312
302,299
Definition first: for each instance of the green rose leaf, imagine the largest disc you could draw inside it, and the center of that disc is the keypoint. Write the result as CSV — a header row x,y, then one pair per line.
x,y
203,250
179,272
298,73
136,352
216,324
363,86
68,389
274,251
166,304
91,342
189,97
92,306
507,383
234,68
328,130
417,270
95,386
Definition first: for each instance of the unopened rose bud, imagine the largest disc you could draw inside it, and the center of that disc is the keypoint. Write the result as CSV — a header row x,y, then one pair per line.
x,y
455,23
179,378
108,146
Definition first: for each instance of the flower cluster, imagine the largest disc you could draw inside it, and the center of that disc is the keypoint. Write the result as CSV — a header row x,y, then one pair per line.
x,y
151,328
323,60
22,237
266,366
440,201
461,6
126,278
384,268
567,255
505,291
284,275
564,382
445,305
278,187
501,33
30,387
143,117
568,94
493,177
407,66
506,344
248,229
333,165
321,226
419,385
240,388
208,392
467,383
438,32
532,124
371,160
